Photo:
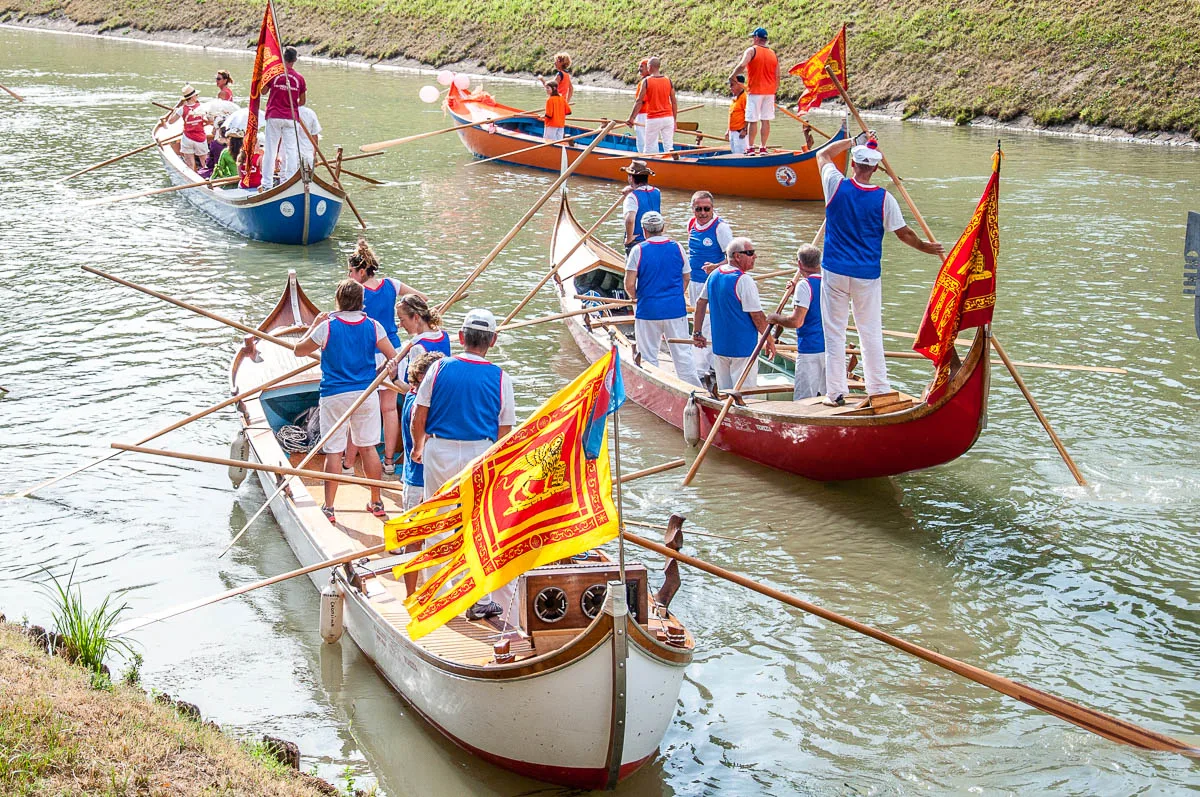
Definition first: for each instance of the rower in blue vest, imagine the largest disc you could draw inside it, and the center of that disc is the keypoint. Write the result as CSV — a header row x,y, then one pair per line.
x,y
708,237
731,295
348,341
379,303
640,199
857,215
656,279
414,472
424,324
464,405
805,318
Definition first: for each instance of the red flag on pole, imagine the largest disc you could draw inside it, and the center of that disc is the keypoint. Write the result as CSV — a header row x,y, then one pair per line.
x,y
268,65
817,85
964,293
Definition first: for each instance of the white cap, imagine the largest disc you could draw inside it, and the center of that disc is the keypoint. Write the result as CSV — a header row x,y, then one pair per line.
x,y
480,319
653,218
866,155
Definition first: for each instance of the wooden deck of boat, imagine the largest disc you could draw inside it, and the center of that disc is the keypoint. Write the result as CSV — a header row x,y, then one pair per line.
x,y
460,641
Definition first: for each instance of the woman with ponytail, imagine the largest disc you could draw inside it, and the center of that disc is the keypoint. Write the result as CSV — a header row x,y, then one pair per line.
x,y
380,296
425,326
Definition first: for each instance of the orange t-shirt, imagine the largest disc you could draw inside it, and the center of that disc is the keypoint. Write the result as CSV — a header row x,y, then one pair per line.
x,y
762,73
556,111
564,84
737,113
657,97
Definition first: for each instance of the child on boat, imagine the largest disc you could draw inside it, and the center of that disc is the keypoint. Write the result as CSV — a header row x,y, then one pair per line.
x,y
227,164
736,132
555,117
250,168
414,472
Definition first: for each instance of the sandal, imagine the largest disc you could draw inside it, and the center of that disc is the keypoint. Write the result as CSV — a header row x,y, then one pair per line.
x,y
377,510
328,512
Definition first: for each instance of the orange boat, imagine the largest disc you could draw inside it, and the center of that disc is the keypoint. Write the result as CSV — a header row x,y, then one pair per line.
x,y
786,174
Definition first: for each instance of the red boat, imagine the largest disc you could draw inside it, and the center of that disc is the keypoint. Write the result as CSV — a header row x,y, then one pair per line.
x,y
787,174
765,425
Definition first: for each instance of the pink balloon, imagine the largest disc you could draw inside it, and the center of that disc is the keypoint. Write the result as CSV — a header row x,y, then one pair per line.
x,y
429,94
461,81
445,77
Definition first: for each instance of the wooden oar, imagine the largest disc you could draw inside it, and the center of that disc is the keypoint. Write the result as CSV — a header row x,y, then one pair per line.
x,y
803,121
653,469
1089,719
13,93
325,435
752,363
771,274
379,146
332,174
912,355
155,191
574,248
1062,451
604,300
664,155
360,156
141,622
554,317
562,178
120,157
362,177
194,417
564,140
691,532
258,333
886,166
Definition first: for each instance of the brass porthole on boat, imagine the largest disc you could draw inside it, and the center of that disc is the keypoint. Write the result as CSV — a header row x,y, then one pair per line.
x,y
592,600
550,605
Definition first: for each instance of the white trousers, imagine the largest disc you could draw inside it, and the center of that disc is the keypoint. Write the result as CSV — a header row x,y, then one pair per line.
x,y
810,376
737,143
639,131
729,371
281,133
838,294
659,129
445,459
650,335
702,358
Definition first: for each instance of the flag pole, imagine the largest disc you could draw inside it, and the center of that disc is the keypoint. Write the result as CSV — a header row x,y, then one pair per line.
x,y
620,505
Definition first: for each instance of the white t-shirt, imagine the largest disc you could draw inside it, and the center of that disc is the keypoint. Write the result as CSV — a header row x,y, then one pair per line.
x,y
803,295
831,178
309,117
508,410
417,349
634,258
746,290
320,333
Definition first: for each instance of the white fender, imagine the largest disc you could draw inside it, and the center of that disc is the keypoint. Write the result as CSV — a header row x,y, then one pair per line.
x,y
239,449
332,604
691,422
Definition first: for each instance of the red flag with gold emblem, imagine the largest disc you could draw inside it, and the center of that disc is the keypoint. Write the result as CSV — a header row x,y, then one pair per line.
x,y
964,293
532,498
268,65
817,85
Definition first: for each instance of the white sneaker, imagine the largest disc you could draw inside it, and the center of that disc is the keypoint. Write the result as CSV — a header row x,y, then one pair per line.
x,y
834,401
346,470
389,468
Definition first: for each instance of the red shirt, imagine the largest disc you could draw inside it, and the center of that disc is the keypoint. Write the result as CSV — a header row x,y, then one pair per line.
x,y
225,94
193,121
279,106
252,174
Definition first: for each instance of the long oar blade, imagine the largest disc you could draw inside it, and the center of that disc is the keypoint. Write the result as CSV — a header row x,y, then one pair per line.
x,y
1097,722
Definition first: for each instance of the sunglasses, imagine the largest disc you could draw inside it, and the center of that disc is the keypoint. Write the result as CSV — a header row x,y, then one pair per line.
x,y
746,252
700,209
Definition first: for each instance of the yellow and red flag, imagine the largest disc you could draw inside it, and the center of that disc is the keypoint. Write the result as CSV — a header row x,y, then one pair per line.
x,y
268,65
964,293
532,498
817,85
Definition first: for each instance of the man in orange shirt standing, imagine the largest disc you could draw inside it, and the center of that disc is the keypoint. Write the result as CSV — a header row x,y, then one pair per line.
x,y
737,116
762,83
555,117
656,96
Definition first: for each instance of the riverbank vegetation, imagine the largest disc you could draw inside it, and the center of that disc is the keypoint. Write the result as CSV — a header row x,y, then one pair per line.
x,y
59,734
1099,62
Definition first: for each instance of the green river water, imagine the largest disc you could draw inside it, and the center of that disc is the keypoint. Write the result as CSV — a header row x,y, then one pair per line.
x,y
998,558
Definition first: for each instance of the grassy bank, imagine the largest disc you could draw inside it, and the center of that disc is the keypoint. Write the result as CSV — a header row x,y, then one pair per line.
x,y
58,735
1100,62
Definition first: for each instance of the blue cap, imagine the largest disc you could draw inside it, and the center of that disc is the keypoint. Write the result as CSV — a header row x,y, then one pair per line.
x,y
759,33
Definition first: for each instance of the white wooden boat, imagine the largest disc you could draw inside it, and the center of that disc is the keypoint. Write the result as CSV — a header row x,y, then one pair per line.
x,y
580,699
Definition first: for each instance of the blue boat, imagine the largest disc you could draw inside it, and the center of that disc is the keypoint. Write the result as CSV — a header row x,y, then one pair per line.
x,y
302,210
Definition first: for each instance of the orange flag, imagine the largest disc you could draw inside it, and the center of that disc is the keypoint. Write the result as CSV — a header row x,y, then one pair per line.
x,y
817,85
964,293
268,65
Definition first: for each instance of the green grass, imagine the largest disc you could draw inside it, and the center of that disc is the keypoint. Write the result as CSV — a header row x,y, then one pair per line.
x,y
86,635
1135,66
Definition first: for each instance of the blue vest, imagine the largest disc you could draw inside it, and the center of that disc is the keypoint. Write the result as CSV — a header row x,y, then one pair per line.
x,y
660,281
810,337
465,404
854,231
380,304
414,472
703,248
348,359
734,334
442,344
648,198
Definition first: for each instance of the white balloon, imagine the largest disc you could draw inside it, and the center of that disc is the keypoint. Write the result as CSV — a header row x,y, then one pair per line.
x,y
461,81
429,94
445,77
